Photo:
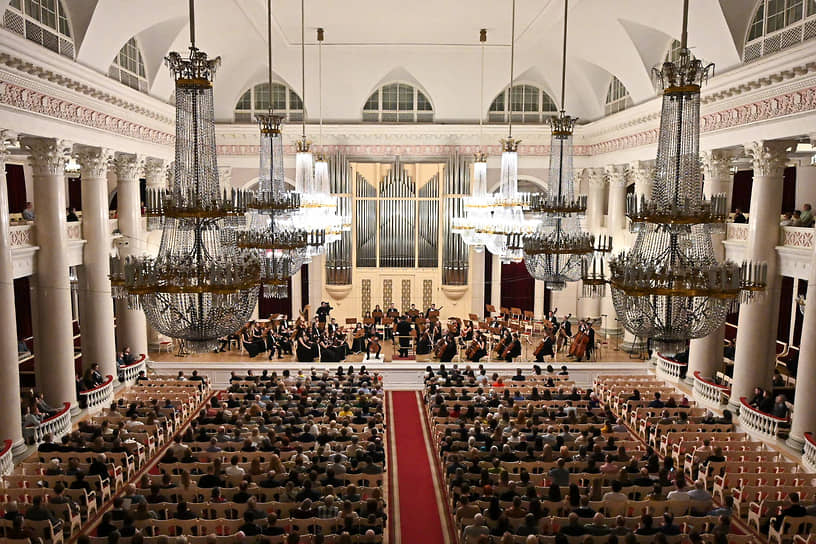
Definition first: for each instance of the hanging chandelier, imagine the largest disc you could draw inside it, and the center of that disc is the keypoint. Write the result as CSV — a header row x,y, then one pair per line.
x,y
669,286
280,246
505,226
476,207
318,211
200,286
557,251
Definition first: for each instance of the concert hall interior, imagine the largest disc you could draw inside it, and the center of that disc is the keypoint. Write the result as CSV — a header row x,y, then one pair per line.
x,y
403,271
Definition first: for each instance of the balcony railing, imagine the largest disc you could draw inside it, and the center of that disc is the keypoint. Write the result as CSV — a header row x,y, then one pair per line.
x,y
98,397
706,389
24,234
799,237
759,422
131,372
57,425
669,368
809,457
6,462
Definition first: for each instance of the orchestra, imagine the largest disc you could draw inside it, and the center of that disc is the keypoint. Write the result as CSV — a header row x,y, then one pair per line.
x,y
410,332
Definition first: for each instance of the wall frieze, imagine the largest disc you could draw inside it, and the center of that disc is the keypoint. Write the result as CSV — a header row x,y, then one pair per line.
x,y
26,99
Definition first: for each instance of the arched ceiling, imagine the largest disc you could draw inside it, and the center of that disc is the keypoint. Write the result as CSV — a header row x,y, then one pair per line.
x,y
427,41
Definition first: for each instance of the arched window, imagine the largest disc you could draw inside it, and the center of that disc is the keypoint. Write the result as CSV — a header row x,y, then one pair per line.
x,y
778,24
284,100
526,104
128,66
398,103
42,21
617,97
673,53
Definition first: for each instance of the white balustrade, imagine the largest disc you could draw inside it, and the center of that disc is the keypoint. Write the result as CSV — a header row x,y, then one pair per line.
x,y
670,369
130,372
801,237
736,231
758,422
98,397
809,457
6,462
57,425
709,391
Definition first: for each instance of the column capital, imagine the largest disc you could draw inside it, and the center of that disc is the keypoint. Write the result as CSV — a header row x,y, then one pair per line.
x,y
641,171
616,174
717,163
224,176
8,138
128,166
46,155
170,173
595,176
93,161
154,172
769,157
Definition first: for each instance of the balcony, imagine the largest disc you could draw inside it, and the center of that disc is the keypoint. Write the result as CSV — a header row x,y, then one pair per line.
x,y
793,237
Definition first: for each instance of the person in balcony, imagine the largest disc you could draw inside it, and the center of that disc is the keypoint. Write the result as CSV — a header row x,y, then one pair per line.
x,y
806,219
71,216
739,217
28,212
787,220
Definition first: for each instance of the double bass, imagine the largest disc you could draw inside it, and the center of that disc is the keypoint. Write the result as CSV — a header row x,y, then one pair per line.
x,y
579,345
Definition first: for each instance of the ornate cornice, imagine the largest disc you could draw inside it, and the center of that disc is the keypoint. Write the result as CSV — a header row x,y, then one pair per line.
x,y
93,161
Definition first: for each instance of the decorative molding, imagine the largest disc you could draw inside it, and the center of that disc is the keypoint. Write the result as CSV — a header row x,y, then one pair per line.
x,y
128,166
442,150
768,158
427,293
365,296
406,294
717,164
29,100
154,170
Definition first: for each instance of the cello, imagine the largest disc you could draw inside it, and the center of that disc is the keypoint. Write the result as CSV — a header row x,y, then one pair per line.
x,y
441,347
579,345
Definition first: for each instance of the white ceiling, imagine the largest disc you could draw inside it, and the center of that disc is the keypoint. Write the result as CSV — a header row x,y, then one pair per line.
x,y
431,43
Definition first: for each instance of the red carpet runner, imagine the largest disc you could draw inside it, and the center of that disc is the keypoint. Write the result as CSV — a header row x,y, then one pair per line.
x,y
418,513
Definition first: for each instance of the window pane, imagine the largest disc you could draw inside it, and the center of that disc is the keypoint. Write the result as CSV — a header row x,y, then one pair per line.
x,y
422,102
794,12
33,9
548,104
811,7
49,13
498,103
531,98
389,97
756,25
295,103
245,102
517,98
15,4
373,102
261,97
278,97
776,15
406,98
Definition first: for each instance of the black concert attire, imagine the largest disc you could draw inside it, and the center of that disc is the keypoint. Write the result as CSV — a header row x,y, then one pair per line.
x,y
547,350
305,351
515,350
404,332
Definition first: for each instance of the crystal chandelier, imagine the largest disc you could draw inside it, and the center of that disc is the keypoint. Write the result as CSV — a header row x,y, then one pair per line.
x,y
281,247
505,226
669,286
476,207
556,252
200,287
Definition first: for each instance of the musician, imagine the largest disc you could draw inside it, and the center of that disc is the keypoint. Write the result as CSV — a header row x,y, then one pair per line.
x,y
377,314
591,345
551,318
478,348
283,338
566,325
404,331
270,341
413,313
322,312
447,348
374,348
331,328
467,331
429,310
328,353
425,343
392,312
305,348
545,348
514,350
358,342
247,338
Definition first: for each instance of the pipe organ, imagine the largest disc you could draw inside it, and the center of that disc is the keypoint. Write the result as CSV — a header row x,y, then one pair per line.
x,y
338,253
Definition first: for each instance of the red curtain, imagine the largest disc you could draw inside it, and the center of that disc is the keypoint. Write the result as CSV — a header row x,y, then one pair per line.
x,y
517,287
269,306
15,181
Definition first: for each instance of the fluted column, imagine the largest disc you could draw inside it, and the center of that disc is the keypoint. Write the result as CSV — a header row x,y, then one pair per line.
x,y
477,279
756,329
98,334
10,423
706,354
316,282
496,280
155,172
297,295
616,228
132,324
804,416
596,180
54,357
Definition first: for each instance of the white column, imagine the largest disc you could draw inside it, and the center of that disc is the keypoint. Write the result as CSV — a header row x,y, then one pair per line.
x,y
54,359
804,416
10,423
297,298
596,179
98,334
756,328
155,172
496,283
224,177
538,298
616,228
315,283
132,324
477,279
706,354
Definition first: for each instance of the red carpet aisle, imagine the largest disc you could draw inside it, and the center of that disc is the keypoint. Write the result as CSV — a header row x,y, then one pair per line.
x,y
418,513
